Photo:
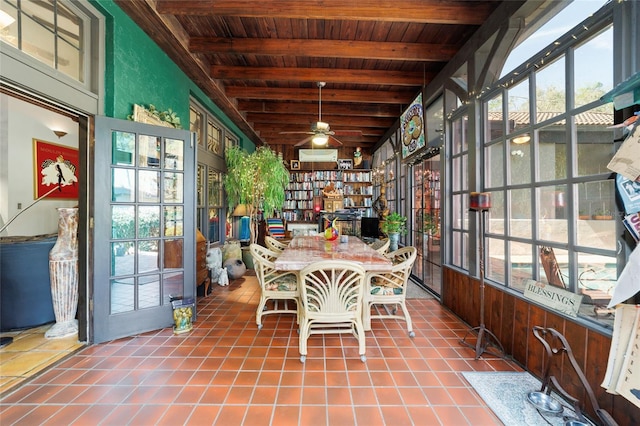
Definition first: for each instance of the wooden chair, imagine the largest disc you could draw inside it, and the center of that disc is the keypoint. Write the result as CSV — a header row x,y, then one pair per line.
x,y
274,245
381,246
275,285
390,288
331,295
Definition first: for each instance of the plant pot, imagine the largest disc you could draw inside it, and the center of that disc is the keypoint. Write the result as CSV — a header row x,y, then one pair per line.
x,y
394,237
602,217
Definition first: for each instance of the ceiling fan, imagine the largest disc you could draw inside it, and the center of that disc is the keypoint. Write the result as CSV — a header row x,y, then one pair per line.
x,y
321,133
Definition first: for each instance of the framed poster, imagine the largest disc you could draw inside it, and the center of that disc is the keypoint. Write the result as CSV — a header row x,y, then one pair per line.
x,y
55,166
295,165
345,163
412,127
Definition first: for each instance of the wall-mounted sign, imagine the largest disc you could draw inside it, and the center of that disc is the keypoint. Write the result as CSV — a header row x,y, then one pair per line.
x,y
553,297
412,127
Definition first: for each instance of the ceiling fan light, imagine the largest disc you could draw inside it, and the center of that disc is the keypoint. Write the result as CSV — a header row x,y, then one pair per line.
x,y
321,125
320,139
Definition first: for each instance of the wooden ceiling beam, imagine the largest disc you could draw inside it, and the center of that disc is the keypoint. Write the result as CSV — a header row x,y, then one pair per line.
x,y
372,110
278,128
333,120
389,51
414,11
392,78
355,96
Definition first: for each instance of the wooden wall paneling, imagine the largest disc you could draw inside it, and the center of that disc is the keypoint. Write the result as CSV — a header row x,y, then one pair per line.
x,y
577,339
596,358
493,314
520,331
536,354
590,348
507,327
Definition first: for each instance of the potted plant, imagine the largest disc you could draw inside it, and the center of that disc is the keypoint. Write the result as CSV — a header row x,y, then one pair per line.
x,y
602,214
393,225
256,179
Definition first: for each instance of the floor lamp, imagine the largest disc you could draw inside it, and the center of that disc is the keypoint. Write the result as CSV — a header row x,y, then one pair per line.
x,y
481,203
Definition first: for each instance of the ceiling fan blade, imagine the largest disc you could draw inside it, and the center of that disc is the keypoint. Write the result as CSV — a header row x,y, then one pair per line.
x,y
304,141
348,132
297,133
334,141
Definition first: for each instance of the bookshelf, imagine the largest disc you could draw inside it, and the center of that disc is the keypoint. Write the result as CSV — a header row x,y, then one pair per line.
x,y
304,192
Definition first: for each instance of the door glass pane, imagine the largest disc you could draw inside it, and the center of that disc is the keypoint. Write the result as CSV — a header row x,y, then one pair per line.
x,y
149,151
123,148
200,186
123,222
122,261
147,256
121,295
214,225
173,220
148,291
495,219
148,221
149,186
123,182
554,266
173,254
173,188
172,285
215,188
174,154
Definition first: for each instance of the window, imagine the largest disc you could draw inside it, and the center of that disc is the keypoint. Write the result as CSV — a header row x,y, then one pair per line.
x,y
459,149
552,194
211,166
54,32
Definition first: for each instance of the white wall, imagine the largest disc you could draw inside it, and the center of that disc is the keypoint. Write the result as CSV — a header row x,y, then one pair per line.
x,y
20,122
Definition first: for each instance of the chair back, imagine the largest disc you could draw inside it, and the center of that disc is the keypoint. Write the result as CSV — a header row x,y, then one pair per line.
x,y
381,246
332,290
403,260
274,245
275,228
263,259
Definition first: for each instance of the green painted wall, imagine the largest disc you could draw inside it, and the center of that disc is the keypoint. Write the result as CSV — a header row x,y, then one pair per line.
x,y
138,72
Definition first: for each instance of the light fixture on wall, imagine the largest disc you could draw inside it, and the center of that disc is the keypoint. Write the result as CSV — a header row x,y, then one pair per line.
x,y
60,133
522,139
320,139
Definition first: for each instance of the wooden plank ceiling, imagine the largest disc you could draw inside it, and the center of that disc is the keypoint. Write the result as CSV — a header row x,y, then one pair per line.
x,y
261,61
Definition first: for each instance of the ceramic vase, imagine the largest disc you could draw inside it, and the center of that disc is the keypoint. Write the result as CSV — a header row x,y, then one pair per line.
x,y
63,272
394,237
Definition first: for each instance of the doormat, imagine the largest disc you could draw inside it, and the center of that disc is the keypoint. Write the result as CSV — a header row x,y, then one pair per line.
x,y
506,394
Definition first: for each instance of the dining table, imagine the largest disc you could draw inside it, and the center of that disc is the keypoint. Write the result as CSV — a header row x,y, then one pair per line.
x,y
304,250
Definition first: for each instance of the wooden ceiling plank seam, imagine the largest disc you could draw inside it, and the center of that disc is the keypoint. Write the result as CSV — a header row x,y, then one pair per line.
x,y
354,76
356,96
324,48
418,11
372,110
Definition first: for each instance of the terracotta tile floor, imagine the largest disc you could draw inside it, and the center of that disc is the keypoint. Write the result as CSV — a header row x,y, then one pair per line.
x,y
226,372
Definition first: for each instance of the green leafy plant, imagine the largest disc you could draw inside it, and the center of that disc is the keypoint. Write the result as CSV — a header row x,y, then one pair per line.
x,y
394,223
429,225
257,180
168,116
